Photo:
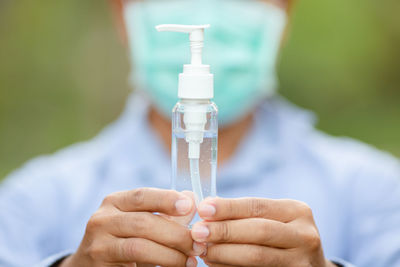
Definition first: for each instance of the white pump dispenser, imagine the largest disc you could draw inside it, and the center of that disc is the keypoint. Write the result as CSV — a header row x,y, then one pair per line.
x,y
194,121
195,83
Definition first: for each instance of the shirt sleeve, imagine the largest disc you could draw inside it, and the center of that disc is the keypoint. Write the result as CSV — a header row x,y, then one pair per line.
x,y
342,263
54,260
31,206
374,215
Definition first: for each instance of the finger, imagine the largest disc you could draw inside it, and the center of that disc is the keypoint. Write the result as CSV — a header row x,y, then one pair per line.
x,y
217,209
263,232
210,264
154,227
153,200
246,255
186,219
145,251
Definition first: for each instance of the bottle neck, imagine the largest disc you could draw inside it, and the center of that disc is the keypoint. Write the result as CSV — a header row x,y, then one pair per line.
x,y
194,101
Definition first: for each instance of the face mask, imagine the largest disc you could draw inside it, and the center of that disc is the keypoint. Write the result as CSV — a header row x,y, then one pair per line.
x,y
242,47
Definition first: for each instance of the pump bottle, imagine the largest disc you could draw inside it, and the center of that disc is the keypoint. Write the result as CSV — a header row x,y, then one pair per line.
x,y
194,121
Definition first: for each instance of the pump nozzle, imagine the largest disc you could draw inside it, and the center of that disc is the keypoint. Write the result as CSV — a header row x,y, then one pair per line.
x,y
196,81
196,37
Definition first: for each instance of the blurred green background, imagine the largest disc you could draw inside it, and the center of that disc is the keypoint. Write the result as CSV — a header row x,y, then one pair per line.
x,y
63,72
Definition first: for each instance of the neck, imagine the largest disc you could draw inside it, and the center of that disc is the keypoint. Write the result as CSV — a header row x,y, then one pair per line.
x,y
228,138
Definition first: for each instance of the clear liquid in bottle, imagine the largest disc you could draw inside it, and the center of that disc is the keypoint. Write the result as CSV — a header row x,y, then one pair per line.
x,y
196,175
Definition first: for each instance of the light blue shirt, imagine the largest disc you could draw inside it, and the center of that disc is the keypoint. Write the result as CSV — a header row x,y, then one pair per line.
x,y
353,190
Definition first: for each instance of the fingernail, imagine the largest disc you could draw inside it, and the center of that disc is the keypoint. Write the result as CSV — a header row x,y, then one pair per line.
x,y
183,205
206,210
200,232
198,249
191,262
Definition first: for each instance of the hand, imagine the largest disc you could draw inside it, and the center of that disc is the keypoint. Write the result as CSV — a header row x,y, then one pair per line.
x,y
259,232
126,232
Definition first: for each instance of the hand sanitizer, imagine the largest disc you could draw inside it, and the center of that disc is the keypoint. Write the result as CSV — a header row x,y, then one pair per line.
x,y
194,121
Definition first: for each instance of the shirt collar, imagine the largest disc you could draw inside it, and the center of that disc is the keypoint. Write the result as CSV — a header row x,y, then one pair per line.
x,y
277,127
135,153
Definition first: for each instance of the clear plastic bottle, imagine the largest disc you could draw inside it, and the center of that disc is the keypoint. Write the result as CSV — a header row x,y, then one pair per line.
x,y
192,173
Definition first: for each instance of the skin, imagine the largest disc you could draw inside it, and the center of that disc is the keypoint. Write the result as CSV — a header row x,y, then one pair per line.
x,y
283,233
124,231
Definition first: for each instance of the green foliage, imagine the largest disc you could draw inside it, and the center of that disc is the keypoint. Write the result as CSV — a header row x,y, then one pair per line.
x,y
343,62
63,72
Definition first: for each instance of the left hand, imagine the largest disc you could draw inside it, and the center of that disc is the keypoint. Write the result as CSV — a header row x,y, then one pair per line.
x,y
259,232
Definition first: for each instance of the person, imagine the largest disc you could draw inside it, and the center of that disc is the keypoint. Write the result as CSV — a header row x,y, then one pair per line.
x,y
289,195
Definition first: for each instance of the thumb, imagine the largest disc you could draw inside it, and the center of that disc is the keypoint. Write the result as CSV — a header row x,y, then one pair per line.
x,y
184,220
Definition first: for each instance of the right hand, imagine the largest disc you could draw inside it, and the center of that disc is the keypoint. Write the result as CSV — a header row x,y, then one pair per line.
x,y
126,232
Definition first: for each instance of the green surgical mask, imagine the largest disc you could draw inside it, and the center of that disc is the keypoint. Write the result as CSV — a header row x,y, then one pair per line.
x,y
242,47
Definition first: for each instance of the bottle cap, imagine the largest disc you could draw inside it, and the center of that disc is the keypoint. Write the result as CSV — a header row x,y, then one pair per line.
x,y
196,81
